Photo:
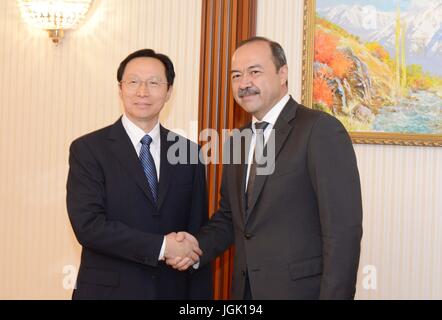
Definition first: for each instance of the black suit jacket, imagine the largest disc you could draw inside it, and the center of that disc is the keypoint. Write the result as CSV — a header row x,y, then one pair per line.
x,y
301,237
113,216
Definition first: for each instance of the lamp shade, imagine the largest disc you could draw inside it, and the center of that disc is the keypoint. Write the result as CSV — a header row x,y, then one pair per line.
x,y
54,15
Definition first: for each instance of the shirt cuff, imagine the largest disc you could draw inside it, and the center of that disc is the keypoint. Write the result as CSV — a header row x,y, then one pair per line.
x,y
163,249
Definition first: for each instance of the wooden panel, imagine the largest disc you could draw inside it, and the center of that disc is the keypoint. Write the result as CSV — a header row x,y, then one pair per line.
x,y
224,25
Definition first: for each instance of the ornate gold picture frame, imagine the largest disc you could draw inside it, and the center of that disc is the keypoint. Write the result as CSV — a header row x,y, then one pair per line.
x,y
359,113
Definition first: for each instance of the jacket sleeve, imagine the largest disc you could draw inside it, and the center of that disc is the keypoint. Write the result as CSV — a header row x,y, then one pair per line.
x,y
218,234
200,280
86,205
335,178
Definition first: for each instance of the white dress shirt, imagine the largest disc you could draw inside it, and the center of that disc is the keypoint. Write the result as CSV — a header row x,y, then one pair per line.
x,y
270,118
136,134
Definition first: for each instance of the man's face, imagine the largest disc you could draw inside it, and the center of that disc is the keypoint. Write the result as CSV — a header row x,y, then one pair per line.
x,y
144,89
256,84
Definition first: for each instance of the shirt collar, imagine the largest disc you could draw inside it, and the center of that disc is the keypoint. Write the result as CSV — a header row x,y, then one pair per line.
x,y
136,134
273,113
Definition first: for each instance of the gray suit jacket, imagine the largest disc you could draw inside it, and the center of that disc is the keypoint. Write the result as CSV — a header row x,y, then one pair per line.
x,y
301,238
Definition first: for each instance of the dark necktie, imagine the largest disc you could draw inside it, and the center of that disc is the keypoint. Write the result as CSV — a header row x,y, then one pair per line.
x,y
149,166
259,141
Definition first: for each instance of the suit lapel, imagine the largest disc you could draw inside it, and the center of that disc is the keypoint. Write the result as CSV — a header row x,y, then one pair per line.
x,y
281,131
165,167
122,148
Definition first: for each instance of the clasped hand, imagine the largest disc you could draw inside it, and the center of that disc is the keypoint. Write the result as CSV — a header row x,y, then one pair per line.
x,y
182,250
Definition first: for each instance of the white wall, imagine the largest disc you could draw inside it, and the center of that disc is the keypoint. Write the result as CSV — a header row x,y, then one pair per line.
x,y
50,95
401,189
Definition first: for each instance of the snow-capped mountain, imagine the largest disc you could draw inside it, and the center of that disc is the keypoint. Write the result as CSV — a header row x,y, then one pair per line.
x,y
358,20
422,28
423,25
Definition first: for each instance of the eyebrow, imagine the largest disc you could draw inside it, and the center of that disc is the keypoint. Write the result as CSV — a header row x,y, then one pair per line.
x,y
154,77
251,67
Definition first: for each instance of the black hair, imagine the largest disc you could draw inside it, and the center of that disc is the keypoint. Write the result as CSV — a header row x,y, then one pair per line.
x,y
278,55
149,53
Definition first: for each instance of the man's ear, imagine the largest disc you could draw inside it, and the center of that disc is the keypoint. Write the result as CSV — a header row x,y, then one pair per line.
x,y
169,93
120,93
283,74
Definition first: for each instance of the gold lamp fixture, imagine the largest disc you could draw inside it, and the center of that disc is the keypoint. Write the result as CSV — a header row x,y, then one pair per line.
x,y
54,16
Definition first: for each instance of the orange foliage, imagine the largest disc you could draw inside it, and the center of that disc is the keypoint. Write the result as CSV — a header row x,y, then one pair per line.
x,y
378,50
323,72
340,64
420,84
326,52
322,92
325,46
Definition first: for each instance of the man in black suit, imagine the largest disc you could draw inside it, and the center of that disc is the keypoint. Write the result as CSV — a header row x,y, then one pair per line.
x,y
126,199
297,226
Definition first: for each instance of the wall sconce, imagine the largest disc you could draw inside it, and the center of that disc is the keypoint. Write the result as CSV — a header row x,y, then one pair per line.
x,y
54,16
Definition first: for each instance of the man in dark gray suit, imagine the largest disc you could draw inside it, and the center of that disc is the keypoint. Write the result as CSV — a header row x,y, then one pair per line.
x,y
297,230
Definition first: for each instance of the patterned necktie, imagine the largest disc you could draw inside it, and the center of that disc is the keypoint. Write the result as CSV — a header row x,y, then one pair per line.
x,y
259,141
149,166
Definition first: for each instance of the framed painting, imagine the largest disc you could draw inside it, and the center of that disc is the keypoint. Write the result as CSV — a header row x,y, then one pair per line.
x,y
376,66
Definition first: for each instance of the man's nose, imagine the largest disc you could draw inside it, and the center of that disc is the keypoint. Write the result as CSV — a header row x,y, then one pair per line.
x,y
143,89
245,81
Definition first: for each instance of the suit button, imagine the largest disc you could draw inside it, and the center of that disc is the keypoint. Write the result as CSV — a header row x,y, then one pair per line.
x,y
248,236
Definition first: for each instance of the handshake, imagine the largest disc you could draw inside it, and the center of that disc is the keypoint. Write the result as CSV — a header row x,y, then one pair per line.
x,y
182,250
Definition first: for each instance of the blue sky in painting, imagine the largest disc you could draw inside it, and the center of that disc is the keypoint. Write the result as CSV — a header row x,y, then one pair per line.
x,y
382,5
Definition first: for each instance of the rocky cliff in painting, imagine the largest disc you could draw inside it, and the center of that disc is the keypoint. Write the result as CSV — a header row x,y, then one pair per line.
x,y
356,81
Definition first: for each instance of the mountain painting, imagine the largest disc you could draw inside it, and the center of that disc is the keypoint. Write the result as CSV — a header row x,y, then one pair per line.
x,y
377,64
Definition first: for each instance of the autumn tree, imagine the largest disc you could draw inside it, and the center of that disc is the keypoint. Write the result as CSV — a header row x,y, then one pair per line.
x,y
322,93
326,52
